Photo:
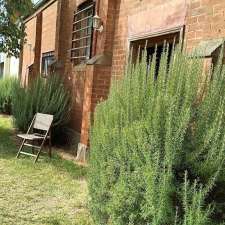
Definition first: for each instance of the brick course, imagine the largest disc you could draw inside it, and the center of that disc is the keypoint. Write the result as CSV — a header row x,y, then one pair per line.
x,y
28,49
49,17
205,20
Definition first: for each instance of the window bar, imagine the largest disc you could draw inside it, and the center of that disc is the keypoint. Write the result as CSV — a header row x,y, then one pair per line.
x,y
89,7
85,28
79,57
78,39
83,47
86,18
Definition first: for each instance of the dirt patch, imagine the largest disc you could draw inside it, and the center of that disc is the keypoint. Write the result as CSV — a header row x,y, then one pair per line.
x,y
68,156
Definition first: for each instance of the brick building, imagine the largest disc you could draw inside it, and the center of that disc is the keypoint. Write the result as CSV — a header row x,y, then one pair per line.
x,y
61,36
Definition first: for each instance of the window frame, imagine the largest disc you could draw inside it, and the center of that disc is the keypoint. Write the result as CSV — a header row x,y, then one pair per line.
x,y
47,55
138,46
82,34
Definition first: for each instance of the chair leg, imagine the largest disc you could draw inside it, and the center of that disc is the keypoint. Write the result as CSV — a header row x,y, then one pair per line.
x,y
38,154
33,147
50,147
20,149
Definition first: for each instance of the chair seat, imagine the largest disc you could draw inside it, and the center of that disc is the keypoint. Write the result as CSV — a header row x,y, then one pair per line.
x,y
31,136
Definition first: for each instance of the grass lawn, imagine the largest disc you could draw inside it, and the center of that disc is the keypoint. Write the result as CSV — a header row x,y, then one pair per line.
x,y
53,191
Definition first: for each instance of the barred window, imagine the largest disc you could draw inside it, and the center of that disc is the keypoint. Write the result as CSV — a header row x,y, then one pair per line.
x,y
82,33
154,45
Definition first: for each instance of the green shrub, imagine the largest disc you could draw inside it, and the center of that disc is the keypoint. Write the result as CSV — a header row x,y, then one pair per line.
x,y
43,96
6,88
157,146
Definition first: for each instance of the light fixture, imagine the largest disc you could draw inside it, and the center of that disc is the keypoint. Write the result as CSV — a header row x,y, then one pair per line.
x,y
97,23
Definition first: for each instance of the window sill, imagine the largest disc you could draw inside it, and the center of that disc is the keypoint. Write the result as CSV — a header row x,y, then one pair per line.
x,y
103,59
80,67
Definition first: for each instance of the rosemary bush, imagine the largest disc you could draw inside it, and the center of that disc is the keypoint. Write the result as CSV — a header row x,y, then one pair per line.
x,y
157,146
6,91
43,96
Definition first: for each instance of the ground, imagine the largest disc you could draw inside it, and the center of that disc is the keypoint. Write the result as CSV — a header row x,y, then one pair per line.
x,y
53,191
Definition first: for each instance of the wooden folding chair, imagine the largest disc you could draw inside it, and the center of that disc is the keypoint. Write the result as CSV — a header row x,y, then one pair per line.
x,y
39,131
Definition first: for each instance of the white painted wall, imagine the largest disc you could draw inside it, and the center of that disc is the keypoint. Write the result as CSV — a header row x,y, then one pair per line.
x,y
10,66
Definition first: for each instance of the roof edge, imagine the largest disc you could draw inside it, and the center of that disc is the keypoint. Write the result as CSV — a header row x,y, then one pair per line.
x,y
39,4
38,7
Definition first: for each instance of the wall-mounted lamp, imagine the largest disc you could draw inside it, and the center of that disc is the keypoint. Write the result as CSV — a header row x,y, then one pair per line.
x,y
97,23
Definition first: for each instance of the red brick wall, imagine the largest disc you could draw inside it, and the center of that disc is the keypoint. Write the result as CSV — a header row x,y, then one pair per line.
x,y
38,44
56,35
98,76
41,37
120,42
66,10
204,17
75,77
126,9
205,20
101,84
106,10
49,17
78,79
28,49
90,84
97,85
86,114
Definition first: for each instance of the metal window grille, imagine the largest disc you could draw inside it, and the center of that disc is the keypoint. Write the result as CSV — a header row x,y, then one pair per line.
x,y
82,33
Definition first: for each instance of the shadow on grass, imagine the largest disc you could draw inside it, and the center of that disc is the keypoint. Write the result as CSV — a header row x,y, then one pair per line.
x,y
7,146
75,171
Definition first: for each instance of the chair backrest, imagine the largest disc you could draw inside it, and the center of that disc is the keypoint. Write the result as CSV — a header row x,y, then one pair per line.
x,y
43,121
